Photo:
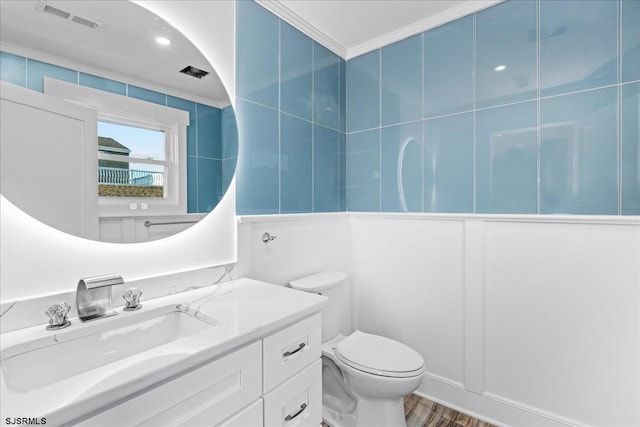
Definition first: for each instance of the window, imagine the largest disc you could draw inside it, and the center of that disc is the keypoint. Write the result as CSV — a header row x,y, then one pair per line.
x,y
132,161
141,152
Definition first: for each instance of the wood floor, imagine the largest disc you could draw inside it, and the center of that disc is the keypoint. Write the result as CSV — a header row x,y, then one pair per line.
x,y
420,412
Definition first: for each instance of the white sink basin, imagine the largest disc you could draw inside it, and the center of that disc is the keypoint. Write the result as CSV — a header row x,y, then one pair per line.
x,y
45,361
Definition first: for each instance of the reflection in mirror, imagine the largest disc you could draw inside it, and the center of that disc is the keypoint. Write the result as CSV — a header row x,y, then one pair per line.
x,y
101,131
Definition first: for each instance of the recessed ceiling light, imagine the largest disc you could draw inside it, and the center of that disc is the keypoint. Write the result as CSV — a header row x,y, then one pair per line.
x,y
500,68
163,41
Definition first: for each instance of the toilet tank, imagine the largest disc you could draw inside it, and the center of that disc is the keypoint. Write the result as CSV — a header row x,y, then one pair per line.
x,y
331,285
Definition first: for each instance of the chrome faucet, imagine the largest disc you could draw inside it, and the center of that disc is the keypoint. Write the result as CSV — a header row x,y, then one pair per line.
x,y
93,296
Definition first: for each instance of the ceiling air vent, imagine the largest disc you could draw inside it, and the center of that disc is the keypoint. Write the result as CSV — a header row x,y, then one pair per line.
x,y
195,72
51,9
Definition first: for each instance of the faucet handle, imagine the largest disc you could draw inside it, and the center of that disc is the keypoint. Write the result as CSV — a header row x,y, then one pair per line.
x,y
132,299
58,315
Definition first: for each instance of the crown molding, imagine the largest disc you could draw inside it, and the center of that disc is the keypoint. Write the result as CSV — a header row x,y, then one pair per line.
x,y
283,12
464,9
421,26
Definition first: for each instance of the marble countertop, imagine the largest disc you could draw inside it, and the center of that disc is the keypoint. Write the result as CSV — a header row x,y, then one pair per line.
x,y
239,312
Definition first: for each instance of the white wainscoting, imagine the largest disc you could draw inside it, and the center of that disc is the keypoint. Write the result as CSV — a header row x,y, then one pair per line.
x,y
522,320
135,229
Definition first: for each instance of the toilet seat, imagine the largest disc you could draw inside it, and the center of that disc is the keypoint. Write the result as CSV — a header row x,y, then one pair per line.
x,y
379,356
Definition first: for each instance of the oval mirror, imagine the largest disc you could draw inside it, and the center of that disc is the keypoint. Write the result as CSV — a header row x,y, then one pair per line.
x,y
114,126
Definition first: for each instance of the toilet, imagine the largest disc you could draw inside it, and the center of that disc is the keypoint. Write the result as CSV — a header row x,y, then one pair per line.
x,y
365,377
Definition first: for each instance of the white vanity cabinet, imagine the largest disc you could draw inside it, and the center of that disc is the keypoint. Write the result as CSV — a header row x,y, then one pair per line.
x,y
275,381
292,375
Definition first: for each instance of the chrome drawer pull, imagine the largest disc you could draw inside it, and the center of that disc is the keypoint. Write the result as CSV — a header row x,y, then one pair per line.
x,y
290,417
289,353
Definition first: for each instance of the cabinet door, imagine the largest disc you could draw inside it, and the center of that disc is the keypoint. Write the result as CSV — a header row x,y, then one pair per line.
x,y
291,350
297,402
204,396
49,159
249,417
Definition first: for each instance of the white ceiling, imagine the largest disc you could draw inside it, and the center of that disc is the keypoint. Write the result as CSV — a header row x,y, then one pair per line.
x,y
124,46
354,27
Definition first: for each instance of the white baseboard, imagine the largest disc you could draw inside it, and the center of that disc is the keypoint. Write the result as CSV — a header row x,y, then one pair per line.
x,y
487,407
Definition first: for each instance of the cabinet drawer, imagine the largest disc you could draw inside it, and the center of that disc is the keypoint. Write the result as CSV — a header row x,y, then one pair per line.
x,y
297,402
215,391
251,416
290,350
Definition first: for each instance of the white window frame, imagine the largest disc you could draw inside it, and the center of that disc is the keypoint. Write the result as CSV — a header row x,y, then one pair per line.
x,y
134,112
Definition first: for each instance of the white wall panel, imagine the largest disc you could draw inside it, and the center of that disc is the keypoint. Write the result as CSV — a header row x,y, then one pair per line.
x,y
562,321
525,321
409,278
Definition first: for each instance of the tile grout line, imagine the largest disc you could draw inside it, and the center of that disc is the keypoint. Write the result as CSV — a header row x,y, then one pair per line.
x,y
287,114
346,142
197,164
380,131
538,116
535,99
343,114
474,120
279,116
422,146
620,107
313,127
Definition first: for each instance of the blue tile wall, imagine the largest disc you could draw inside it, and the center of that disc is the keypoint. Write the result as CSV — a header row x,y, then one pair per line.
x,y
328,172
326,87
506,159
257,54
363,92
209,130
363,171
579,153
296,72
36,71
212,136
192,184
401,81
291,94
631,149
448,68
296,158
578,45
554,131
448,164
401,168
342,119
13,69
630,40
258,170
506,36
101,83
146,95
209,183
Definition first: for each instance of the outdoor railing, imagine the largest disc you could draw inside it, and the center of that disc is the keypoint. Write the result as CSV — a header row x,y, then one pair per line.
x,y
118,176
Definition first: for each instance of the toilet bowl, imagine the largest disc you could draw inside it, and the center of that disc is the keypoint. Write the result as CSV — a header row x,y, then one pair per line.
x,y
365,377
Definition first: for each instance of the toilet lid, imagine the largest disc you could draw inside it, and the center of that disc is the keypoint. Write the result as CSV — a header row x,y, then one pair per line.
x,y
379,355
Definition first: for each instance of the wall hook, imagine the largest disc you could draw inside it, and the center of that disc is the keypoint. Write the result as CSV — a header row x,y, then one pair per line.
x,y
266,238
